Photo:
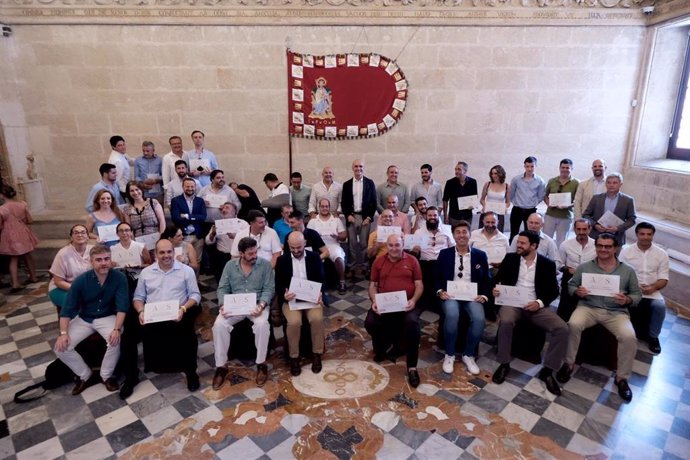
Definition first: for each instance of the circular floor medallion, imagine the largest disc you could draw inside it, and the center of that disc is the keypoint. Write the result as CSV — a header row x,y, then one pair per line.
x,y
348,378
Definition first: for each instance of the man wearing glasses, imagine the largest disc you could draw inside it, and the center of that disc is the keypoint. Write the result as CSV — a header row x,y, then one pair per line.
x,y
611,311
558,216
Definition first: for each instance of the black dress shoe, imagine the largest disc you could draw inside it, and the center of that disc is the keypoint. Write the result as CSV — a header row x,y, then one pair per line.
x,y
261,374
500,374
127,388
413,377
193,382
546,376
624,390
379,356
654,345
295,368
111,384
564,373
219,378
316,364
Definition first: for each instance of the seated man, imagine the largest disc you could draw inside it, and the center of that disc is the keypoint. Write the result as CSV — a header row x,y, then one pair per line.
x,y
269,247
96,302
313,240
490,240
282,225
460,263
246,274
332,231
611,312
400,219
377,248
396,271
299,263
169,346
574,252
419,216
547,246
536,274
650,263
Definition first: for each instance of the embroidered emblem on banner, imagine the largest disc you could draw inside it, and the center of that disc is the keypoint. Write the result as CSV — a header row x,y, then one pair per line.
x,y
344,96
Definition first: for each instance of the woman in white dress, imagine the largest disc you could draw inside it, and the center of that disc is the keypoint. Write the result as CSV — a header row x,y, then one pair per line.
x,y
495,195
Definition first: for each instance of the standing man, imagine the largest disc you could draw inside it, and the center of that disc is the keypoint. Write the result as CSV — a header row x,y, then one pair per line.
x,y
269,247
611,312
170,159
188,212
216,194
200,160
118,157
299,193
248,273
427,188
147,170
278,196
558,219
396,271
399,219
537,275
108,182
96,302
616,202
490,240
526,192
248,198
392,187
459,186
460,263
301,264
547,246
590,187
333,233
650,263
174,186
574,252
359,206
327,188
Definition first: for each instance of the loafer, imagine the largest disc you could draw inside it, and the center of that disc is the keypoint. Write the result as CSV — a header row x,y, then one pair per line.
x,y
82,385
500,374
564,373
316,364
654,345
546,376
219,378
127,388
413,377
261,374
111,384
624,390
295,368
193,383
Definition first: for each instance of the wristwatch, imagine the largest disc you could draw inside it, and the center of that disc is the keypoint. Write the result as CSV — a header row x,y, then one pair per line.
x,y
63,332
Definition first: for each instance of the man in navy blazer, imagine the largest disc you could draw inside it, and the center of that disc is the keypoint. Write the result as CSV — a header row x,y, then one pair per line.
x,y
620,204
358,204
190,221
461,263
537,274
311,268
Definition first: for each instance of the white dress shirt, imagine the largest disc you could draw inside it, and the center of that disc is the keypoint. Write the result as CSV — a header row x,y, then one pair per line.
x,y
650,265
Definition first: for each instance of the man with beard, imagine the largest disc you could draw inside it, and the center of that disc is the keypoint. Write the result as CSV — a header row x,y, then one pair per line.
x,y
574,252
590,187
333,233
216,194
547,246
313,240
174,187
188,213
490,240
428,188
420,205
266,238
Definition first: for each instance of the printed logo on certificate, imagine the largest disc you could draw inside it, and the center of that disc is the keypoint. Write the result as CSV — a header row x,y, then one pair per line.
x,y
468,202
512,296
239,304
107,233
165,310
560,199
232,225
390,302
603,285
382,233
461,290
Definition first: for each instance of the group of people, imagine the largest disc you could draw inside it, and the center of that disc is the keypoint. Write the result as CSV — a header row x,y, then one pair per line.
x,y
415,245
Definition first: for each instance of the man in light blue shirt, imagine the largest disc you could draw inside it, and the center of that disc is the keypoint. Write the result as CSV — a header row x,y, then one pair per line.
x,y
526,192
108,177
147,170
200,160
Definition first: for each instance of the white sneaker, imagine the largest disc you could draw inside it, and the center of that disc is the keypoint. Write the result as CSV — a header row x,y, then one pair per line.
x,y
448,362
472,367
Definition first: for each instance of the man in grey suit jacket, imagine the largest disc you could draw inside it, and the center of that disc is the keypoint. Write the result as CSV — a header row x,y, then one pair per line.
x,y
620,204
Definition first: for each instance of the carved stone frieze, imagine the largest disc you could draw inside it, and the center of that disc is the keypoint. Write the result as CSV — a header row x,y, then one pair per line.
x,y
343,3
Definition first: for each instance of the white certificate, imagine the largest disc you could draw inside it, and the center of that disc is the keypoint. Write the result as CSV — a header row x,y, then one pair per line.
x,y
107,233
603,285
389,302
195,163
239,304
609,219
416,240
306,290
165,310
156,188
125,257
232,225
382,233
149,240
178,251
296,304
215,200
495,254
495,206
560,199
467,202
512,295
461,290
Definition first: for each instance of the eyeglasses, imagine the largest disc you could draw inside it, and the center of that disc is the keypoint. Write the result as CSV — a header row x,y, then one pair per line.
x,y
81,232
125,230
604,246
462,267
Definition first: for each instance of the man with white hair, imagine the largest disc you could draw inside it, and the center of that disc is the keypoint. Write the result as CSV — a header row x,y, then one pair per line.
x,y
613,202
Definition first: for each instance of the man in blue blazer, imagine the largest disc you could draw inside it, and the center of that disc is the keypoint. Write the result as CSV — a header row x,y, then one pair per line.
x,y
188,212
620,204
358,204
536,274
461,263
311,268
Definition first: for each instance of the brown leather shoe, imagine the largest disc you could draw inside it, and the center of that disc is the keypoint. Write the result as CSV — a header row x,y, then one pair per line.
x,y
111,384
261,374
219,378
82,385
316,363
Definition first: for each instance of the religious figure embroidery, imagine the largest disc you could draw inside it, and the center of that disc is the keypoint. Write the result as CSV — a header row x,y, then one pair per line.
x,y
321,101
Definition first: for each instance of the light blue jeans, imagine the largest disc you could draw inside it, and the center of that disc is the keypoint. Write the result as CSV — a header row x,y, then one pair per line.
x,y
658,307
451,310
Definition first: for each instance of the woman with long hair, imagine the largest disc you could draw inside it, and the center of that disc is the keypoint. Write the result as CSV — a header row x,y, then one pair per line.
x,y
495,195
16,238
144,215
105,213
184,252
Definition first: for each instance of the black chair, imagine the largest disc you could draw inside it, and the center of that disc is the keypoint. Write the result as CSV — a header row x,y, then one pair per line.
x,y
242,342
597,345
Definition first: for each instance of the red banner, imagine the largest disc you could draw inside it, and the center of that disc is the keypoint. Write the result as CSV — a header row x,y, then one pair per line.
x,y
344,96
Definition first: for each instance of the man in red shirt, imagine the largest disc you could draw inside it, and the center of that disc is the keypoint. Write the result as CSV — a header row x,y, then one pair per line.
x,y
396,331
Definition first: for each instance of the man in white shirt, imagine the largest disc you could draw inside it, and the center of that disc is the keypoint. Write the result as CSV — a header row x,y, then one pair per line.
x,y
175,154
650,263
216,194
490,240
574,252
174,187
327,188
333,233
278,196
358,205
222,242
547,246
118,157
201,161
590,187
427,188
265,236
419,219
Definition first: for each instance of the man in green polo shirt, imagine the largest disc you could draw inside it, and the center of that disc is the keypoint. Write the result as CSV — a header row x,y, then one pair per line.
x,y
559,217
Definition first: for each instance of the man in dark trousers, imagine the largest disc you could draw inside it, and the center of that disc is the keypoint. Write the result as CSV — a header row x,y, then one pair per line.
x,y
358,205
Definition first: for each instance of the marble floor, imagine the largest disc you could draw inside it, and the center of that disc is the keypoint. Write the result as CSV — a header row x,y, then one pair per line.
x,y
462,416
